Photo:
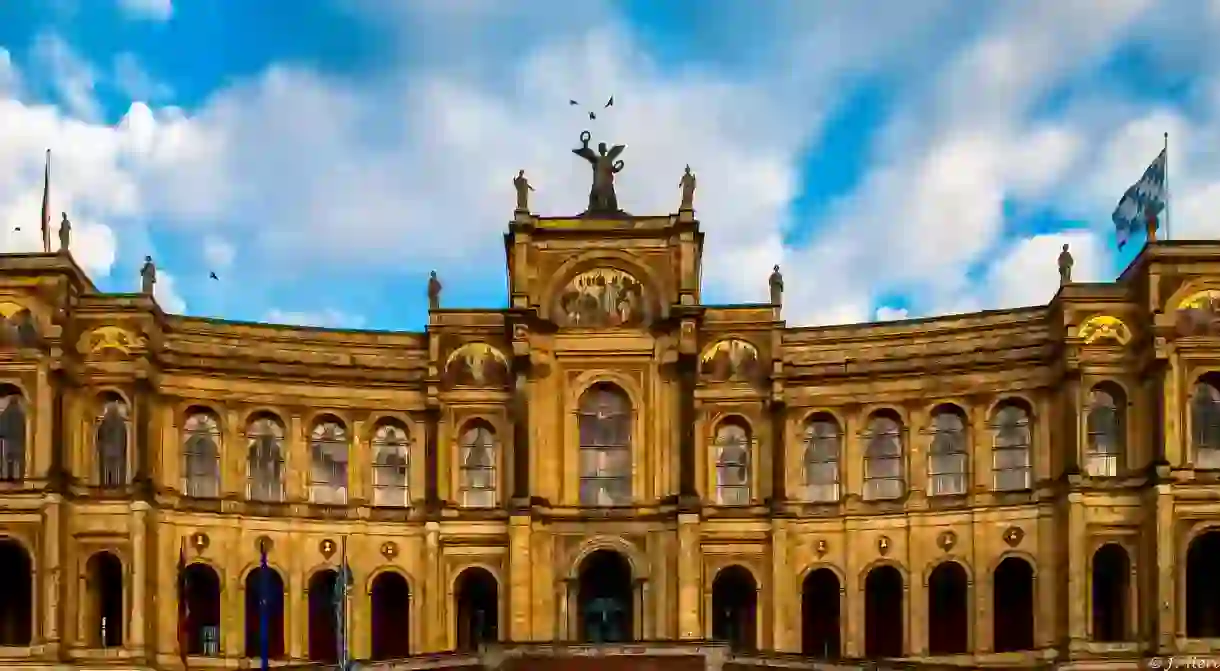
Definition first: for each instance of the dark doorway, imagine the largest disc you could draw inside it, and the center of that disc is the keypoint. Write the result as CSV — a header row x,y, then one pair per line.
x,y
264,612
883,608
1013,601
323,617
1203,586
201,587
820,620
735,607
104,574
391,601
1111,577
17,596
478,608
605,604
948,610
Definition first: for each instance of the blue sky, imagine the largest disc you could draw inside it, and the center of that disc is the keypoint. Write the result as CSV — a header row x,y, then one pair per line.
x,y
895,158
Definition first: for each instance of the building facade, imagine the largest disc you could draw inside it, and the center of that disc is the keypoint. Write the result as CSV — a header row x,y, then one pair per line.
x,y
609,459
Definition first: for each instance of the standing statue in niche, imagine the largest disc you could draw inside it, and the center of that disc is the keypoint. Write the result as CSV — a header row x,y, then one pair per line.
x,y
688,190
605,163
434,292
522,184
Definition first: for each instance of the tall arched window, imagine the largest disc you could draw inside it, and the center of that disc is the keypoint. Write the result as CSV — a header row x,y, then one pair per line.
x,y
883,457
328,462
1107,430
1205,422
605,422
477,475
112,441
265,458
948,455
1012,438
732,446
201,455
12,435
823,444
391,465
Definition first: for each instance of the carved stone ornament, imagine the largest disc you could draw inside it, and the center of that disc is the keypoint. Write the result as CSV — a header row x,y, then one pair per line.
x,y
730,360
1104,328
106,338
327,548
946,540
1013,536
823,547
263,545
389,549
200,542
476,365
883,545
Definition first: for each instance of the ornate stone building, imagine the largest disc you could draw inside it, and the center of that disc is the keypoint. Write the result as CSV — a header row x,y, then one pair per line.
x,y
610,459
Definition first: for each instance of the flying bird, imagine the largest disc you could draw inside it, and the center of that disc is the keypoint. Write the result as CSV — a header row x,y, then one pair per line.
x,y
573,102
212,276
592,115
609,102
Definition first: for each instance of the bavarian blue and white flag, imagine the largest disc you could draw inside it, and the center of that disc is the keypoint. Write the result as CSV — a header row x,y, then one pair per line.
x,y
1143,200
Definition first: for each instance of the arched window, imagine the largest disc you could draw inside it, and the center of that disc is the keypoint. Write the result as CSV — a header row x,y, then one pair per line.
x,y
605,422
112,436
1205,423
883,457
328,462
12,435
477,477
201,455
1010,448
732,447
1107,432
391,465
948,456
823,444
265,458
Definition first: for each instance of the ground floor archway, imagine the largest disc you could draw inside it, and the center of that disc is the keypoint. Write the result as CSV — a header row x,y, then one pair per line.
x,y
948,610
883,608
264,613
478,608
605,599
735,607
1203,586
821,623
17,595
200,590
390,597
1111,580
106,610
1013,604
323,616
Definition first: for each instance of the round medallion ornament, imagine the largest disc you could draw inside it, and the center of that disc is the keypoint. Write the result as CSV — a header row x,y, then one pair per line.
x,y
327,548
1013,536
883,545
946,540
823,547
263,545
200,541
389,549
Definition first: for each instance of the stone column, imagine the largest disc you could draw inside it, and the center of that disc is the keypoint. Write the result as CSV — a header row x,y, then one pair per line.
x,y
1078,577
687,370
1166,570
520,577
51,574
432,417
138,577
690,577
436,622
784,591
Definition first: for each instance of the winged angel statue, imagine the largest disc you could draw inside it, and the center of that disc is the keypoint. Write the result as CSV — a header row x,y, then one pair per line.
x,y
605,164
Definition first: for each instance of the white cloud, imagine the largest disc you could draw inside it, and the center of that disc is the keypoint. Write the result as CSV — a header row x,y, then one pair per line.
x,y
92,245
73,78
325,318
166,293
136,83
8,73
149,10
887,314
218,254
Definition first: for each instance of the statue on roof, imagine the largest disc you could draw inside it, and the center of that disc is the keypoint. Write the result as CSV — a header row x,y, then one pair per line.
x,y
605,164
688,190
434,292
1065,266
148,276
65,233
522,184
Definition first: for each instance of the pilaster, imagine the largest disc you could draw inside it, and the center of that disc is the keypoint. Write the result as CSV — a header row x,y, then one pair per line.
x,y
785,593
520,576
52,572
1077,578
690,577
141,570
1166,562
436,629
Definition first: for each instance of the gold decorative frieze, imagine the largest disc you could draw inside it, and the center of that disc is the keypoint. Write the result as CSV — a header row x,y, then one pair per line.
x,y
1104,328
730,360
476,365
106,338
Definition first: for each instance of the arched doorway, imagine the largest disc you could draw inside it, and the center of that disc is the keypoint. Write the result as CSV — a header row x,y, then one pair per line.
x,y
735,607
883,608
17,596
201,589
1111,577
391,606
820,618
948,610
478,608
104,579
1203,586
264,613
605,603
1013,601
323,616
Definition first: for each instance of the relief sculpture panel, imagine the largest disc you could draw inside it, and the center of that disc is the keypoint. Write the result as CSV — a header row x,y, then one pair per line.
x,y
1199,314
476,365
602,298
731,360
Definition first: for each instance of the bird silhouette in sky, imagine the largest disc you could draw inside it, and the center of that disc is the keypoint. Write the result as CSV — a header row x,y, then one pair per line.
x,y
592,115
212,276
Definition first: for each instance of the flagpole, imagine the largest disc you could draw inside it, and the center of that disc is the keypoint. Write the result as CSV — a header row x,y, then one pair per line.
x,y
1167,195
